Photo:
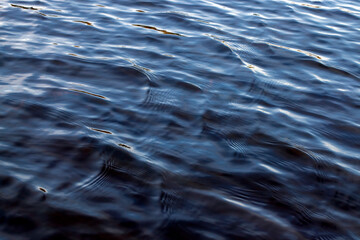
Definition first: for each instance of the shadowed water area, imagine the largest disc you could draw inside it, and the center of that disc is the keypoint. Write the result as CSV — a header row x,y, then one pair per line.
x,y
178,119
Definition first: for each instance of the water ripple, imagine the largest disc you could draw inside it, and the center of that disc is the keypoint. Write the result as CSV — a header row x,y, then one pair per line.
x,y
179,119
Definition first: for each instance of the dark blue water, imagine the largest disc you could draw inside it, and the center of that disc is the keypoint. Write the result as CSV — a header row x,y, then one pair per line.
x,y
175,119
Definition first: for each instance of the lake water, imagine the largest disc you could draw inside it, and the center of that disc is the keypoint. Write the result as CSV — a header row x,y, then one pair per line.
x,y
172,119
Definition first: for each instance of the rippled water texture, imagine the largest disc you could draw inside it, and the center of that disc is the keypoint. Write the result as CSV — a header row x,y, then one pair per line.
x,y
182,120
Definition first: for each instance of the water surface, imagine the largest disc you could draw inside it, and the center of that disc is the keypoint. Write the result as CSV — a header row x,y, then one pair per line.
x,y
180,119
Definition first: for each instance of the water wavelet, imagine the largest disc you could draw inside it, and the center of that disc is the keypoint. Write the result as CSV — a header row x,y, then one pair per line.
x,y
159,100
59,153
121,170
124,145
182,197
23,7
42,189
254,87
294,156
76,55
119,79
42,14
100,130
298,50
335,70
92,94
85,22
159,30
